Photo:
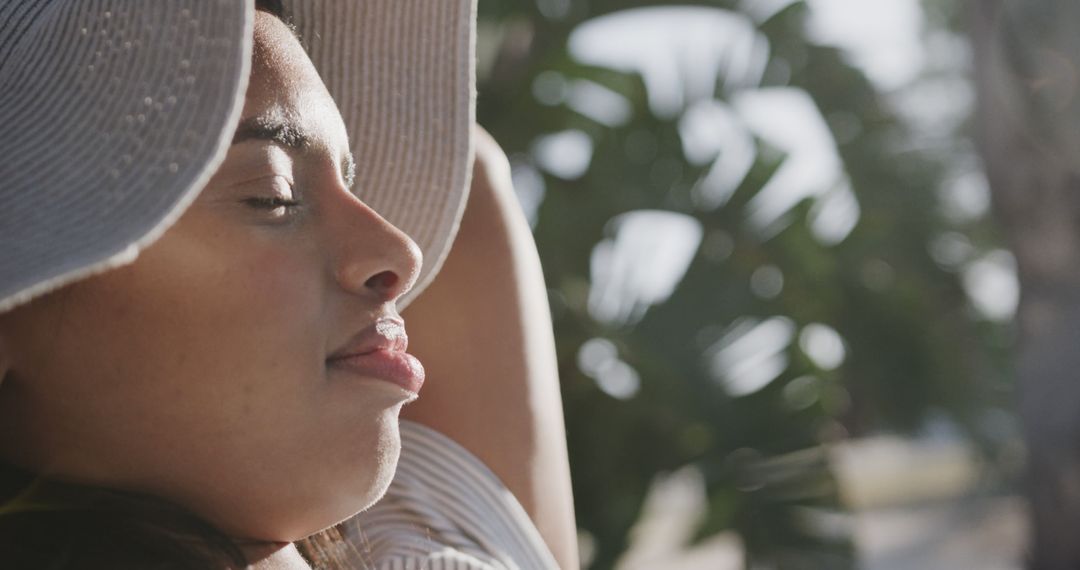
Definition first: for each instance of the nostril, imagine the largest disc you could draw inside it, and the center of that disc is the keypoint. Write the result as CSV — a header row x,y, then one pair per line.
x,y
382,281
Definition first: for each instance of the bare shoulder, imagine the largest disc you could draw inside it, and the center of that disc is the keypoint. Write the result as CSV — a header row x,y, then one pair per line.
x,y
483,331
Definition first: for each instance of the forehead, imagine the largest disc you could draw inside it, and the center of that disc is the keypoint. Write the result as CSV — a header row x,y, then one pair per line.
x,y
284,85
277,56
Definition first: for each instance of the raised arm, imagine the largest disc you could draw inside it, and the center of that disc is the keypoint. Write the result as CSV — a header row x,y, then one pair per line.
x,y
483,331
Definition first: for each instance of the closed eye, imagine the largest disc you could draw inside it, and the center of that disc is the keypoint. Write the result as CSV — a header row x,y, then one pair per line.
x,y
270,202
274,209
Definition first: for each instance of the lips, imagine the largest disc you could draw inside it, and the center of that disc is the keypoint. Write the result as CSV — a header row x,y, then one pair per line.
x,y
378,352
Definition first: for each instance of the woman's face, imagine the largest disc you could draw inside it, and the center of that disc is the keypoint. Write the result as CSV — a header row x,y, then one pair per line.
x,y
201,372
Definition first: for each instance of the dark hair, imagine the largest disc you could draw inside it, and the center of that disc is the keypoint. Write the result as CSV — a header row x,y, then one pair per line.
x,y
275,7
48,524
64,526
55,525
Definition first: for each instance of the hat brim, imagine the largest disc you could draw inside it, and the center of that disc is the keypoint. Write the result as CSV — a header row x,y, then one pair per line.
x,y
117,117
114,119
402,74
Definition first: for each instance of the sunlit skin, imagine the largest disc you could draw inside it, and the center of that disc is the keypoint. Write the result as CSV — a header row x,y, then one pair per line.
x,y
198,373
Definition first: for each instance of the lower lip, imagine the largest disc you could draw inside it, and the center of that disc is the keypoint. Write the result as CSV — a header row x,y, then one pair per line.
x,y
398,368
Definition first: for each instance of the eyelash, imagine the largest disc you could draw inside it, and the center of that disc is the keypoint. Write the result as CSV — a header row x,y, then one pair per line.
x,y
271,203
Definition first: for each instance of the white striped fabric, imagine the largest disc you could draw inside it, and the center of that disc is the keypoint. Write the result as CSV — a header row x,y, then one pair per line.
x,y
445,510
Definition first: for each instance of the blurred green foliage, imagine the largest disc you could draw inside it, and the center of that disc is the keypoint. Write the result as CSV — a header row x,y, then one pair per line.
x,y
913,346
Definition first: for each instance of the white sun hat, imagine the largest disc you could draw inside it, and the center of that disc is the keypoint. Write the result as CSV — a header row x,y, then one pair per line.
x,y
115,114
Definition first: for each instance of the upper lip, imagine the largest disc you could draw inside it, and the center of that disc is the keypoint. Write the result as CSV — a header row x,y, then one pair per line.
x,y
386,333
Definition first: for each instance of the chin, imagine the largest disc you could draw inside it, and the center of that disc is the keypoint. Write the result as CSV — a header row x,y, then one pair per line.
x,y
367,484
359,473
383,463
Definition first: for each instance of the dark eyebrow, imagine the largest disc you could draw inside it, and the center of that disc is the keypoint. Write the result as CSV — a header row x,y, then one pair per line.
x,y
285,134
288,135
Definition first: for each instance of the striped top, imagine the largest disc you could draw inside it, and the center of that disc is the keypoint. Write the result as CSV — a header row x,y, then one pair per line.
x,y
445,510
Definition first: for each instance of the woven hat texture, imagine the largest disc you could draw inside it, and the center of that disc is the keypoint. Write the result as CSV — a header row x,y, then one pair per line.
x,y
117,113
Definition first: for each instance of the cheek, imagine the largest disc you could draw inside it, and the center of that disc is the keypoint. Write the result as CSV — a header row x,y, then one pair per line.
x,y
214,308
197,373
200,338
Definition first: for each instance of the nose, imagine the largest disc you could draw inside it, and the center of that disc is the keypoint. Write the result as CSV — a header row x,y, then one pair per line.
x,y
375,258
